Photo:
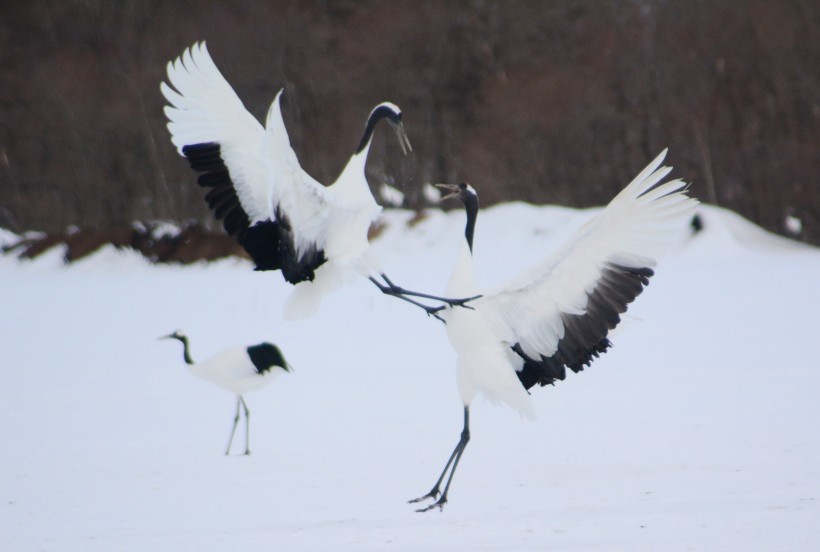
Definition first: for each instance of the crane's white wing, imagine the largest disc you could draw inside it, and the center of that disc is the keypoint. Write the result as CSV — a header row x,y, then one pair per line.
x,y
305,203
208,124
559,312
276,210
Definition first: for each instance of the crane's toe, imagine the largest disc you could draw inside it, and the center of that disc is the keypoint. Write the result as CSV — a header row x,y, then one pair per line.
x,y
433,494
437,504
463,303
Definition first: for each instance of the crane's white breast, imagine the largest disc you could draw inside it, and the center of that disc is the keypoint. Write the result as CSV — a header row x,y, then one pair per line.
x,y
485,363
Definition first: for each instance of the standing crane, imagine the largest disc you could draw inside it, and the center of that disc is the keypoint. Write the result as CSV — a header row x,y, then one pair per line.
x,y
238,370
557,314
286,220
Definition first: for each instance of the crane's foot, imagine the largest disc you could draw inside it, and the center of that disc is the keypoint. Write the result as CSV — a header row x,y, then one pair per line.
x,y
437,504
463,302
433,494
433,311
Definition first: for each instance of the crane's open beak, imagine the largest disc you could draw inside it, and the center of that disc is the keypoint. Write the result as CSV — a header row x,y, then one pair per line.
x,y
452,188
401,134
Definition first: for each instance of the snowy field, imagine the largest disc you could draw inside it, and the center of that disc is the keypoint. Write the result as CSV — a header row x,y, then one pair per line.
x,y
699,430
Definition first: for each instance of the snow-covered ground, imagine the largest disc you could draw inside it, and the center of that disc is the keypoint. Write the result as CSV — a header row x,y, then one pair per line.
x,y
697,431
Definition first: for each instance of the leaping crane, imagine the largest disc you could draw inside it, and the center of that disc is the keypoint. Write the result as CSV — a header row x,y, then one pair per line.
x,y
557,314
286,220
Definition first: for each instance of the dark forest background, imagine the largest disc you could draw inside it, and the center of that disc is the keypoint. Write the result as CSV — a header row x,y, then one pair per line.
x,y
548,102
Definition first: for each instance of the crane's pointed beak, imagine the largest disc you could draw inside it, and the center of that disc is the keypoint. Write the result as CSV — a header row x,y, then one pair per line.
x,y
401,134
453,190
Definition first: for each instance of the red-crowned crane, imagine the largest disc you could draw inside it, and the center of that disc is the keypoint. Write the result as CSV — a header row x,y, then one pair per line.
x,y
238,370
557,314
315,235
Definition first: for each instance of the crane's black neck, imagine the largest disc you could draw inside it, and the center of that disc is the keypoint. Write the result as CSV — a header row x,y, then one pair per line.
x,y
381,112
186,354
471,208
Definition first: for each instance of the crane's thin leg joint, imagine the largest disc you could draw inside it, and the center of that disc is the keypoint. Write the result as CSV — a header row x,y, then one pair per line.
x,y
247,427
455,457
235,423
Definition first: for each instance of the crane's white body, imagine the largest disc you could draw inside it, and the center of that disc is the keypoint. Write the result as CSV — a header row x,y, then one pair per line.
x,y
352,211
269,181
233,370
485,362
634,230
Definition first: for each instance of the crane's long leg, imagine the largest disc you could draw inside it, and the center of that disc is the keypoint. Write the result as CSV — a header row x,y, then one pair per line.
x,y
387,290
454,459
393,289
235,423
247,427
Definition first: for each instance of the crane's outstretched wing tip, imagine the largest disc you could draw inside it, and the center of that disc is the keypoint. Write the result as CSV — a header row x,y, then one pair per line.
x,y
566,304
165,89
